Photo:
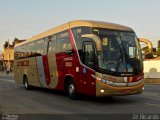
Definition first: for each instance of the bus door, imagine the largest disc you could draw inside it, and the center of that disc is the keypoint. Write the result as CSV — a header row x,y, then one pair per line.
x,y
89,61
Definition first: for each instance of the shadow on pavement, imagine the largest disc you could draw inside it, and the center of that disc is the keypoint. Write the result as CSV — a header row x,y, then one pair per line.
x,y
99,100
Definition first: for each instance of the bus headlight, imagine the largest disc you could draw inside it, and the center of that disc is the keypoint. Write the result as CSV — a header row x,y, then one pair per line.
x,y
106,81
143,88
102,91
103,80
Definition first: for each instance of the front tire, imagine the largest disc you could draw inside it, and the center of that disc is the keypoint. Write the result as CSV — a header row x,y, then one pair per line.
x,y
71,90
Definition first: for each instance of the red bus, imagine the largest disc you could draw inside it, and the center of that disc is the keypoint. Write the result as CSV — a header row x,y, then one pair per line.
x,y
82,57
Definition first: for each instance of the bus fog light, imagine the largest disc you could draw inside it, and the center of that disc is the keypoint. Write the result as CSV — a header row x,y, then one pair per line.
x,y
102,91
125,79
143,88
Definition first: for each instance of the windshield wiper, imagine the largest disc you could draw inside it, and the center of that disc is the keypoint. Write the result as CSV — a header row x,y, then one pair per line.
x,y
119,60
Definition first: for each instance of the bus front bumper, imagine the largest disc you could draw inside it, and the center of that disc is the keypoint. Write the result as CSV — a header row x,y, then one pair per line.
x,y
103,89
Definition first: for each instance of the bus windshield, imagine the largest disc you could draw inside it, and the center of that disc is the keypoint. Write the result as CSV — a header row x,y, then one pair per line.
x,y
120,51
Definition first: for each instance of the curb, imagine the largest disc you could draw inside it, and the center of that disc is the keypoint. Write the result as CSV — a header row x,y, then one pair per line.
x,y
152,81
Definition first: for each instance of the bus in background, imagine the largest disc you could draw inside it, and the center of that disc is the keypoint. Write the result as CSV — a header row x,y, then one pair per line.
x,y
82,57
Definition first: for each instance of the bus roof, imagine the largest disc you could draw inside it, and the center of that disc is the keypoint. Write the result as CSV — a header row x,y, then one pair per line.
x,y
77,23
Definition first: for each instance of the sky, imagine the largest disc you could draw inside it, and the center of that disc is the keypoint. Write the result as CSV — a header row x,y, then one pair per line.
x,y
26,18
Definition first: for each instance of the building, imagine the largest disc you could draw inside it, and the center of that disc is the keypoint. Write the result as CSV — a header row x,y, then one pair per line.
x,y
8,53
1,61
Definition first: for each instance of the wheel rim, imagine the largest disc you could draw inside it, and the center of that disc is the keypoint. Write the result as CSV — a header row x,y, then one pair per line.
x,y
25,84
71,89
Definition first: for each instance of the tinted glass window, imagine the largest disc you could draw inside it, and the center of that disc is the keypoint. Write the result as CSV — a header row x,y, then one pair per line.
x,y
17,54
77,32
89,54
32,49
63,42
39,49
52,44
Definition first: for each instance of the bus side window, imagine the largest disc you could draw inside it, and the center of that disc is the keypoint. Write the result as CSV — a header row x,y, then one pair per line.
x,y
40,48
89,54
63,42
31,46
16,53
52,44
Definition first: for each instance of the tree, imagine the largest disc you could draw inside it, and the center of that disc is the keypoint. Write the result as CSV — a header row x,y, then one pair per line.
x,y
158,48
6,44
154,52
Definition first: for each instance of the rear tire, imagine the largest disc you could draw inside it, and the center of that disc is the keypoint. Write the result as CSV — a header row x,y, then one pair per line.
x,y
25,83
71,90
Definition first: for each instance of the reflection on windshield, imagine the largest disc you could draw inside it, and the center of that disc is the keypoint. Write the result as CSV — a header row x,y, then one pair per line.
x,y
120,51
110,53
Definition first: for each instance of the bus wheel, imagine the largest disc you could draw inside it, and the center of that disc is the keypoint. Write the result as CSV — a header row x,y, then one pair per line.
x,y
25,82
71,90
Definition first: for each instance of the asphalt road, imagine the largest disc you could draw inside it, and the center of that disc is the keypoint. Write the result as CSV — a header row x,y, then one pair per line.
x,y
14,99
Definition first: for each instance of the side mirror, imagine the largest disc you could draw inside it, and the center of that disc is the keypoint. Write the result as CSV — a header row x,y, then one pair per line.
x,y
147,42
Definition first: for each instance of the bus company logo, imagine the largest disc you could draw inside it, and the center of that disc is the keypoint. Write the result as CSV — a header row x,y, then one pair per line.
x,y
23,63
68,59
68,64
84,70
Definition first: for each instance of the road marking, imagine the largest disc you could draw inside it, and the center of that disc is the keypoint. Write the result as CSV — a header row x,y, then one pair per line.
x,y
5,80
153,104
